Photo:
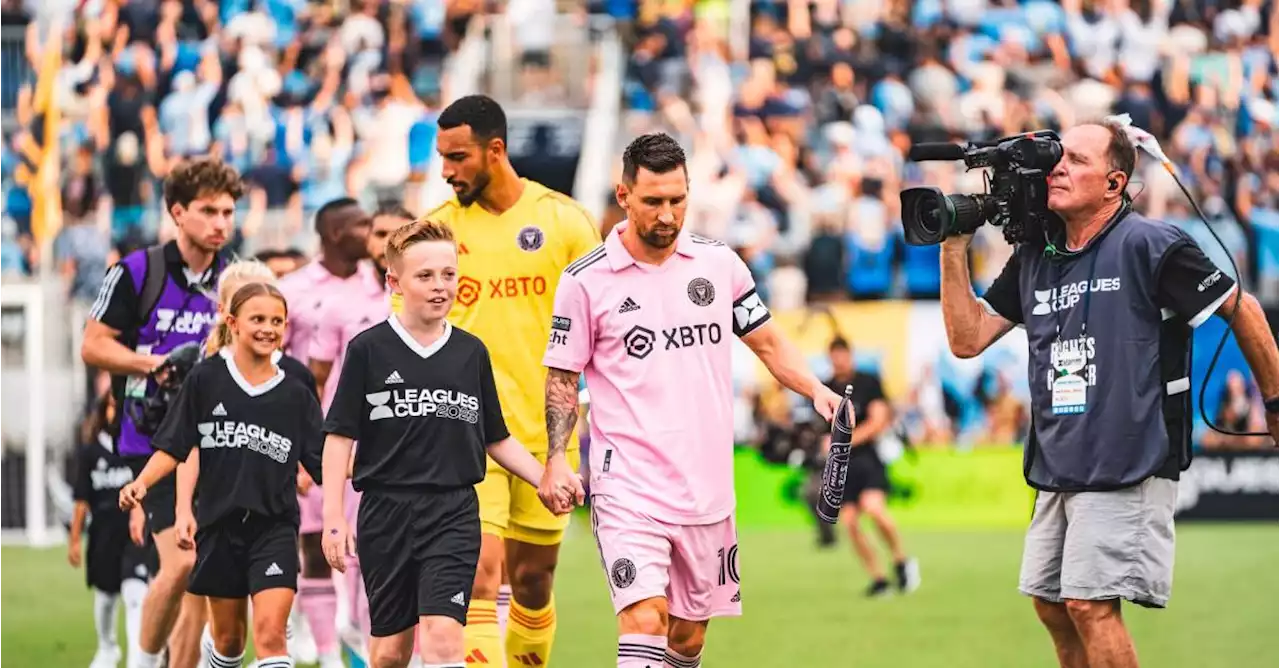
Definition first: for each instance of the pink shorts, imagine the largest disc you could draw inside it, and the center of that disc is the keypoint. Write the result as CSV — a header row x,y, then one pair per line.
x,y
694,567
311,510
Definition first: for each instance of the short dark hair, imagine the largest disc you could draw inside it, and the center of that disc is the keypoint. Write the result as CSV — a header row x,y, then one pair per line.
x,y
201,177
838,343
325,211
1122,155
395,211
481,113
656,152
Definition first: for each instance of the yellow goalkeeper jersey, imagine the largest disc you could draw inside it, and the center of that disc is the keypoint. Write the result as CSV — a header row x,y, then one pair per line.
x,y
508,270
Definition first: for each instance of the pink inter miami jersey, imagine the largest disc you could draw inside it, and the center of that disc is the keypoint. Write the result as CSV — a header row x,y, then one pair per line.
x,y
654,344
310,290
340,323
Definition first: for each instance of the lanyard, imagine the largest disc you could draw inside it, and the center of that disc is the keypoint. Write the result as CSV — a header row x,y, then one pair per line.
x,y
1084,320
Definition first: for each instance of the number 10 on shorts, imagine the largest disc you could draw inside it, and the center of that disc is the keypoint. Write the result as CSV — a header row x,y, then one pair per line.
x,y
728,565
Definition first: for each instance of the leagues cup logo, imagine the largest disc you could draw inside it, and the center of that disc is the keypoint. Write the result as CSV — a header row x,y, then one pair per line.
x,y
206,435
381,410
1042,302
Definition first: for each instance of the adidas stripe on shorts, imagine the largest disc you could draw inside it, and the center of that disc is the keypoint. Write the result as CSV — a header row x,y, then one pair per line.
x,y
418,552
243,554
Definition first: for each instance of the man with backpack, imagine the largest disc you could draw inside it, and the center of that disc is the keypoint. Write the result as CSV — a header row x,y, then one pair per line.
x,y
151,302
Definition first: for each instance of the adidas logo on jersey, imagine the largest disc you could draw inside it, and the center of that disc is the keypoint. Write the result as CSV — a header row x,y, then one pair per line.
x,y
628,305
459,599
220,410
274,569
394,378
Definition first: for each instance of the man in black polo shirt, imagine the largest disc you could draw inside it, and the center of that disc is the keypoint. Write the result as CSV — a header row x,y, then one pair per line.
x,y
1108,304
866,480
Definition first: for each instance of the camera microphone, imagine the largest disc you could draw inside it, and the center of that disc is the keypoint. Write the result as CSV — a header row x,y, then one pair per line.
x,y
930,151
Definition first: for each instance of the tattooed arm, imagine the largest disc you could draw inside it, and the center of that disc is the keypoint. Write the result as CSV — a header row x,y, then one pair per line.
x,y
559,479
562,409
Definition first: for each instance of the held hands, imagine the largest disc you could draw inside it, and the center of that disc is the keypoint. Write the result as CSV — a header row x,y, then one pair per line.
x,y
338,543
131,495
305,483
561,487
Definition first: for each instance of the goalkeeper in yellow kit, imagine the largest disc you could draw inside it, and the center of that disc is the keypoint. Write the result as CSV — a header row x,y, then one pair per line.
x,y
515,237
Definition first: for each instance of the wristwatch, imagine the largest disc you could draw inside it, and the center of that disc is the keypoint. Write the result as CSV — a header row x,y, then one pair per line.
x,y
1272,405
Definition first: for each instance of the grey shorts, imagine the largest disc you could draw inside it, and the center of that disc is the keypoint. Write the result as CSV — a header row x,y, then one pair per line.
x,y
1093,546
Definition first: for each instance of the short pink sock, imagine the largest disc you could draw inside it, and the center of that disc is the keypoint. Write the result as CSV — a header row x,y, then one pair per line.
x,y
319,603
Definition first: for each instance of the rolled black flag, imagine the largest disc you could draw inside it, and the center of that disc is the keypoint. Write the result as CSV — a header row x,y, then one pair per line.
x,y
833,476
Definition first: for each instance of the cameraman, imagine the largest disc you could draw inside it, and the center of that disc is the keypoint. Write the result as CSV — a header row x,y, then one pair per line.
x,y
151,302
1108,306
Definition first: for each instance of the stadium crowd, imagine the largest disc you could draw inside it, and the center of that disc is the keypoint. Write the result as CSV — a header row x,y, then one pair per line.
x,y
797,131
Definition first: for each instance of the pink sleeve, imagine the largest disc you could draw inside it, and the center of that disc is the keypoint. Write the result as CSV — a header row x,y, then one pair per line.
x,y
327,338
749,311
572,335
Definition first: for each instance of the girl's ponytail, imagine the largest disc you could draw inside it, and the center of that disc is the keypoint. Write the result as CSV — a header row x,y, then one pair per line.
x,y
219,337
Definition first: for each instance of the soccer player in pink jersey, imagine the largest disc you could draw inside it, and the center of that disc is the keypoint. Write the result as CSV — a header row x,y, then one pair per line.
x,y
339,275
340,323
647,317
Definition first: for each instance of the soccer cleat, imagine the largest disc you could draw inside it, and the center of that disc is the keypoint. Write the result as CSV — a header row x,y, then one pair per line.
x,y
878,589
332,660
908,574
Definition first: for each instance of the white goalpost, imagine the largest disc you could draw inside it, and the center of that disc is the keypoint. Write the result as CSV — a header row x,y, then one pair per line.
x,y
36,529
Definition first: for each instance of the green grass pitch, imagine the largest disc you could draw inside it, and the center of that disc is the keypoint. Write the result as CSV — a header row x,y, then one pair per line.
x,y
803,607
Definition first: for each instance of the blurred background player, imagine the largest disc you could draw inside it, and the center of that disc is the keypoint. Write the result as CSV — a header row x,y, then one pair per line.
x,y
117,568
515,237
650,316
339,275
336,327
866,481
128,338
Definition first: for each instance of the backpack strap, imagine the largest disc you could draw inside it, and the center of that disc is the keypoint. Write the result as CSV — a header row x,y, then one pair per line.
x,y
153,283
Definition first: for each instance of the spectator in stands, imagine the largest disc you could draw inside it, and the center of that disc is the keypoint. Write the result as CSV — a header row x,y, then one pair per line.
x,y
1239,410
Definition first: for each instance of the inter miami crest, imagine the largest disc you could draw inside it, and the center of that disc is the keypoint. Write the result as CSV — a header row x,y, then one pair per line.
x,y
530,238
701,291
623,573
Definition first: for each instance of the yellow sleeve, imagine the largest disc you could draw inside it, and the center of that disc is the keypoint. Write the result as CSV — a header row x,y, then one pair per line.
x,y
580,229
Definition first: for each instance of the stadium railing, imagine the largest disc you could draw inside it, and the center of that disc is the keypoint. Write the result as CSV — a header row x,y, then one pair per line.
x,y
591,183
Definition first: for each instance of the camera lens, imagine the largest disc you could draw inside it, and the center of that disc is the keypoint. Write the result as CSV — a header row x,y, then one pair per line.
x,y
927,215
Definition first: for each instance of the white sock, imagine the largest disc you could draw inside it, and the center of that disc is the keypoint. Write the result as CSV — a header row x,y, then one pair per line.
x,y
145,659
275,662
206,645
504,608
216,660
678,660
104,618
133,591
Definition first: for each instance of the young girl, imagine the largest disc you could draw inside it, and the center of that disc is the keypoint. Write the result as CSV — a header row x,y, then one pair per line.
x,y
254,423
235,276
